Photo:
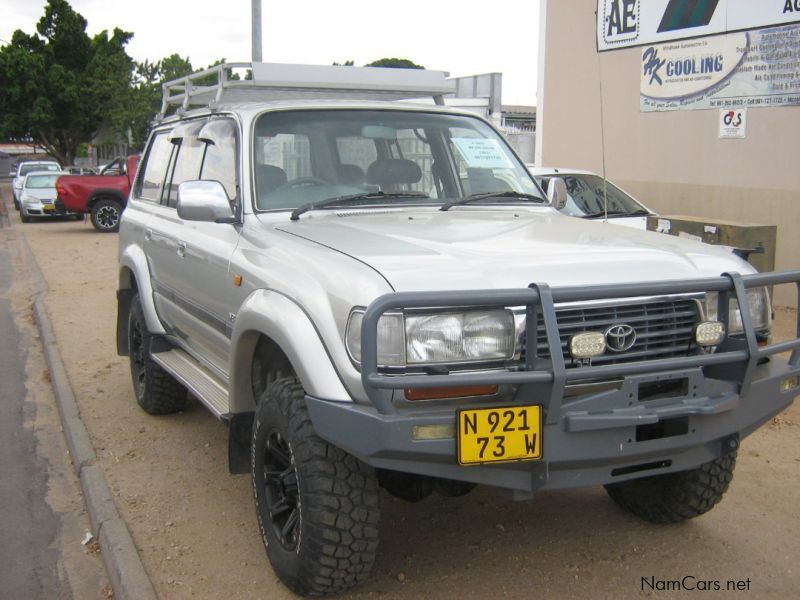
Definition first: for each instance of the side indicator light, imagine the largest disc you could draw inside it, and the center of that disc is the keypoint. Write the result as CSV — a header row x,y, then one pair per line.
x,y
237,280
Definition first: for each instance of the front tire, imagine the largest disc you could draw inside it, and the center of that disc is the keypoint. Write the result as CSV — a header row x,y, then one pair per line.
x,y
317,506
675,497
105,215
157,392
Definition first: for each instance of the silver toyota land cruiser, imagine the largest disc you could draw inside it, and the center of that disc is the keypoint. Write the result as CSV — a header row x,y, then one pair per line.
x,y
376,293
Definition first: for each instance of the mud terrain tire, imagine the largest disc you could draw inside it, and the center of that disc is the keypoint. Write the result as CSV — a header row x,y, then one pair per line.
x,y
317,506
675,497
157,392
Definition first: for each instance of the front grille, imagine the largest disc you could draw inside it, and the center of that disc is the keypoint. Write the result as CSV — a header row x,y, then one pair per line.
x,y
664,329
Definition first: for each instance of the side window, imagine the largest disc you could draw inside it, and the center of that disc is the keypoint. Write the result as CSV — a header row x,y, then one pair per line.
x,y
188,161
219,164
156,162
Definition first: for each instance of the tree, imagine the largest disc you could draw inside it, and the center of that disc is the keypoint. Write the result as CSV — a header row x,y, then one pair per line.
x,y
59,86
394,63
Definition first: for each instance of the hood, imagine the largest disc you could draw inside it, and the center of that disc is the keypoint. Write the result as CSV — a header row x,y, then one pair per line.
x,y
490,249
48,193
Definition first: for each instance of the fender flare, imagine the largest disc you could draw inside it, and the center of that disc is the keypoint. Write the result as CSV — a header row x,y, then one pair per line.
x,y
134,260
278,317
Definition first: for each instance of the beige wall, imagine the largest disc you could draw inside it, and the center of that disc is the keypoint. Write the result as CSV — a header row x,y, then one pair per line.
x,y
673,161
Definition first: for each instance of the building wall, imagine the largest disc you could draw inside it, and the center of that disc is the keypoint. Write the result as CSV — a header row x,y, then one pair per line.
x,y
673,161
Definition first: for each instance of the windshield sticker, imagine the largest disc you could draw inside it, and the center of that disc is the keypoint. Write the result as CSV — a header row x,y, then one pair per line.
x,y
482,153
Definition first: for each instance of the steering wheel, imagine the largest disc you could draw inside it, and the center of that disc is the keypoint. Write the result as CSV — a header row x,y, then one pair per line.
x,y
304,182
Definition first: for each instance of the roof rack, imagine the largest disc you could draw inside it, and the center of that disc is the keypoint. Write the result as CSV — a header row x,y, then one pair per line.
x,y
274,81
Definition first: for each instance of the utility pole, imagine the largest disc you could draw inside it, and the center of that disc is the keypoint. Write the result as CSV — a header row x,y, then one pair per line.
x,y
256,25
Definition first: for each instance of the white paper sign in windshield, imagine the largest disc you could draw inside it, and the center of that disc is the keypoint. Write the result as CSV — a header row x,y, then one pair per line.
x,y
482,153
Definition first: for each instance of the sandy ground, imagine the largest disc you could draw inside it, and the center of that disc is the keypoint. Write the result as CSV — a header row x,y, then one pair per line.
x,y
196,530
80,571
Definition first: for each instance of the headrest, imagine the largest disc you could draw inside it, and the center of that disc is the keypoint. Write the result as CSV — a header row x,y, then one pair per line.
x,y
352,174
388,171
269,178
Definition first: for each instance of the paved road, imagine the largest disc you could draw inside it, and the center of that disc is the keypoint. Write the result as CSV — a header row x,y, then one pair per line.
x,y
28,565
42,517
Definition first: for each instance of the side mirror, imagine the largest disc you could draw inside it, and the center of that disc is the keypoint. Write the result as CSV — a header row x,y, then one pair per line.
x,y
204,201
12,174
557,193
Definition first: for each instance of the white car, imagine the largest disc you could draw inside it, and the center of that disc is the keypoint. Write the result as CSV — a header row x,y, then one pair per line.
x,y
589,196
29,166
38,195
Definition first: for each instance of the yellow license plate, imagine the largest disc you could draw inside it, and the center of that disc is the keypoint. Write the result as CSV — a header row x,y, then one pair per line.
x,y
500,434
49,206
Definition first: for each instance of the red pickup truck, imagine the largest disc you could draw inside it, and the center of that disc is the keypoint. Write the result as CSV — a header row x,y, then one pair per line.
x,y
103,196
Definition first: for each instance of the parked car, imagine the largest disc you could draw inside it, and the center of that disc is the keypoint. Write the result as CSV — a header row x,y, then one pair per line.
x,y
591,197
102,196
25,167
74,170
37,199
379,294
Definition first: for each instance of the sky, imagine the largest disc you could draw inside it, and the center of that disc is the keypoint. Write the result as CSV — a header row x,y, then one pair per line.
x,y
463,37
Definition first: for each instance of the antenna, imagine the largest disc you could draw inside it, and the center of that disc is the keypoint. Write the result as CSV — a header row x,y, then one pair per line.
x,y
602,132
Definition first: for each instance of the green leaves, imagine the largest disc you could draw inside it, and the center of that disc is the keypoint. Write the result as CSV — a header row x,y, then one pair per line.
x,y
60,86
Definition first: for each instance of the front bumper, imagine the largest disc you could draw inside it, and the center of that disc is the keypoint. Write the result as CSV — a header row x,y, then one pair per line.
x,y
588,438
591,443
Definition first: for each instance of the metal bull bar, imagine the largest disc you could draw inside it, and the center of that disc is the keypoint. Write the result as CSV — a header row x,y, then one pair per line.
x,y
735,359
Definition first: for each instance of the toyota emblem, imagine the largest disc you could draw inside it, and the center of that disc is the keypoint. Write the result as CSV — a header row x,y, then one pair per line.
x,y
620,338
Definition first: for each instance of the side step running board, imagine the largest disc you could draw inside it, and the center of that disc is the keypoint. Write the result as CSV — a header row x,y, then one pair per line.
x,y
197,379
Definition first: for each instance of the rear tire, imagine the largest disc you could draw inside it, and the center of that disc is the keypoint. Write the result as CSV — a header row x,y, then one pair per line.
x,y
317,506
675,497
157,392
106,214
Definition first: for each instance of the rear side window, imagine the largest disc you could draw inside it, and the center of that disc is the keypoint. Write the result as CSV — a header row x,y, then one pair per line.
x,y
156,162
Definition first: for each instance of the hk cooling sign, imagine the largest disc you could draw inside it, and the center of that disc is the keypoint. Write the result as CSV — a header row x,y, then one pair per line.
x,y
623,23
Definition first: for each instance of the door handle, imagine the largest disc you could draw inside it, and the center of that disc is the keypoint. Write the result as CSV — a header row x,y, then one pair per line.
x,y
148,234
181,249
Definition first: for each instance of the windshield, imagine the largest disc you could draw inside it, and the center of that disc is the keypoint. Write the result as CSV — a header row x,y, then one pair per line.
x,y
41,181
25,169
585,197
304,157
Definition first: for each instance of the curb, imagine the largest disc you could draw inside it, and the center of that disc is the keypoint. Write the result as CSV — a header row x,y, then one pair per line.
x,y
124,567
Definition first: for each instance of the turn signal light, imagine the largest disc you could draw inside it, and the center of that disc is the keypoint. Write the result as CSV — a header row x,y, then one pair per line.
x,y
450,392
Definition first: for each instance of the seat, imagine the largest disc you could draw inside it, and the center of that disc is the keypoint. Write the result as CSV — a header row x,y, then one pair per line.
x,y
268,179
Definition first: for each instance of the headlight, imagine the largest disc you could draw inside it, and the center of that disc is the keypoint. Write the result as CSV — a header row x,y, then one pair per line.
x,y
29,199
444,337
757,299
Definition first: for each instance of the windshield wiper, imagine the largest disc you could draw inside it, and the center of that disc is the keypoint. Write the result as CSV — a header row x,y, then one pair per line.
x,y
484,196
353,198
618,213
